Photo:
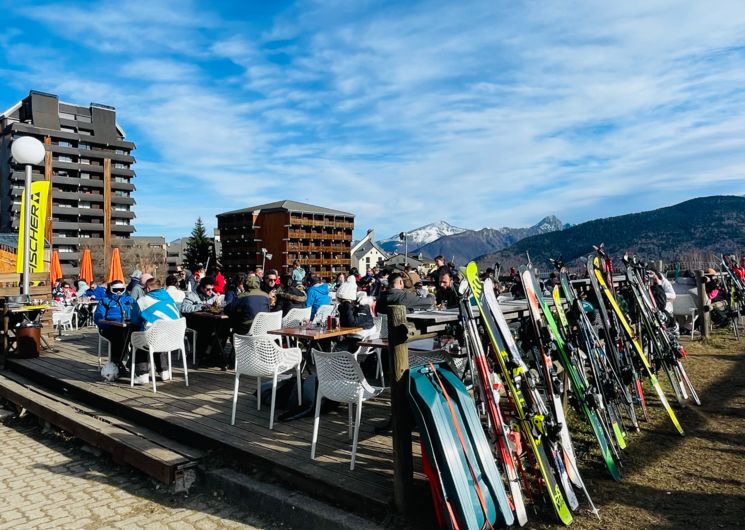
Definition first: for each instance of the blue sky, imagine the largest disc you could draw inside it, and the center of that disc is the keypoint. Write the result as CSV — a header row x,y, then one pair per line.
x,y
482,113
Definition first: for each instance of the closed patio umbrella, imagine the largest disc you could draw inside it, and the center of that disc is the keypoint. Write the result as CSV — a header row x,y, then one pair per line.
x,y
115,270
86,267
55,269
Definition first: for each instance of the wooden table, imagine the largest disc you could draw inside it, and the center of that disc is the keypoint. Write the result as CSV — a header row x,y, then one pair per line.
x,y
431,321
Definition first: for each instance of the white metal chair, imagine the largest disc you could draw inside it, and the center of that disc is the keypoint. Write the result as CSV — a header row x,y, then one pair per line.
x,y
685,309
264,322
260,356
162,336
340,378
101,340
322,313
64,317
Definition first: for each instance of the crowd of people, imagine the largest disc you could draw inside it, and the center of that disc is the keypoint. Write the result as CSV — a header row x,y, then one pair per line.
x,y
144,300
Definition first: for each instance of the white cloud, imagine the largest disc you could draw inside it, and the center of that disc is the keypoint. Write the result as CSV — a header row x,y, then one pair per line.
x,y
481,113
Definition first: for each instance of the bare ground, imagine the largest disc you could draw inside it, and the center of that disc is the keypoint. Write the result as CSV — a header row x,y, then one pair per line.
x,y
672,481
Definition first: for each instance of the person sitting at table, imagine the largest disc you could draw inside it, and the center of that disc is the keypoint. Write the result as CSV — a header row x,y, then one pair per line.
x,y
204,297
396,295
318,294
235,286
68,294
95,291
116,306
352,314
173,290
82,287
446,296
246,305
156,305
288,295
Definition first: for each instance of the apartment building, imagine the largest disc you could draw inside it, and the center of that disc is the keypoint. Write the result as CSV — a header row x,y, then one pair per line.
x,y
278,233
89,163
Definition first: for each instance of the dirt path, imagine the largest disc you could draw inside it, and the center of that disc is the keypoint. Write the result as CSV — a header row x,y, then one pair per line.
x,y
669,481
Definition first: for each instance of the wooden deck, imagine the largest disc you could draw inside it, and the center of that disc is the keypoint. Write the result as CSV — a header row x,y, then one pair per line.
x,y
199,415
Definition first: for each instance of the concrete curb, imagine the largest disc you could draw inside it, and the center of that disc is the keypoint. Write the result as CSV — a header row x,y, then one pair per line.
x,y
288,507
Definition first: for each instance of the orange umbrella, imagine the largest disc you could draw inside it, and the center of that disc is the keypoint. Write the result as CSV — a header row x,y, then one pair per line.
x,y
55,269
115,270
86,267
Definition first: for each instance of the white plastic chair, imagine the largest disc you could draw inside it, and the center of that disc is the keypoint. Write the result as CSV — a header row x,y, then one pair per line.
x,y
364,351
264,322
323,312
293,319
63,318
260,356
101,340
340,378
162,336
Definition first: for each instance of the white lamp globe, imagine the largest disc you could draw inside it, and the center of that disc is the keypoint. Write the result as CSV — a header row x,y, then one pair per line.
x,y
27,150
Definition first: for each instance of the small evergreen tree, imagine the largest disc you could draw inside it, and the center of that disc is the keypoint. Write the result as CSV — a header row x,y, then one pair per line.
x,y
199,247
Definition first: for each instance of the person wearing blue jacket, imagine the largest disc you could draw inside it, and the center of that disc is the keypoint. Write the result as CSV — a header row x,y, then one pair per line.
x,y
318,294
115,306
156,305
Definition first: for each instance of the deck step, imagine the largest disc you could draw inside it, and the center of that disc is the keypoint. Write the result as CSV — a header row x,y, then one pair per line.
x,y
165,460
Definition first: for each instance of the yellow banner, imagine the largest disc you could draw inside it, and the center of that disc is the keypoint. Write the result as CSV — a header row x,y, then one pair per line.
x,y
39,193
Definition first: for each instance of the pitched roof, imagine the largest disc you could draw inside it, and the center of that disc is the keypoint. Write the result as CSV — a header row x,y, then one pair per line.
x,y
366,247
290,206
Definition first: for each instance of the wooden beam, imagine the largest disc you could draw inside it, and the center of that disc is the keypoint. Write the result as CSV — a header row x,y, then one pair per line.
x,y
403,467
106,215
704,307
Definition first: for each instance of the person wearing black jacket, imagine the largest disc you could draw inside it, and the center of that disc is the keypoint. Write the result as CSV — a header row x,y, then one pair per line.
x,y
396,295
447,298
352,315
289,296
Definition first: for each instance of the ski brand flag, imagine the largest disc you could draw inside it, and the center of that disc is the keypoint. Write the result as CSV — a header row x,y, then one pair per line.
x,y
38,204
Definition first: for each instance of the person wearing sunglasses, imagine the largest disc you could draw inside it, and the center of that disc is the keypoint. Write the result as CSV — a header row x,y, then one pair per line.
x,y
207,329
112,317
202,298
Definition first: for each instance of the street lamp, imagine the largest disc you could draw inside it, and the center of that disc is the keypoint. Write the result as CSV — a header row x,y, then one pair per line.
x,y
266,256
29,151
402,236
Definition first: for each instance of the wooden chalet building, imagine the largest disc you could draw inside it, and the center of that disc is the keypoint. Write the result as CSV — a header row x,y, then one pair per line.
x,y
320,238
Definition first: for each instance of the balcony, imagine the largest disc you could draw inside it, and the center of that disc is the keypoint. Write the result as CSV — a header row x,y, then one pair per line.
x,y
122,228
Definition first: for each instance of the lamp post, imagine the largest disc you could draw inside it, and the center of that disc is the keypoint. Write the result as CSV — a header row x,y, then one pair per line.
x,y
402,236
29,151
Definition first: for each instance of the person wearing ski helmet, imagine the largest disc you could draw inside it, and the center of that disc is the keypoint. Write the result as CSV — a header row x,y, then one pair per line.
x,y
115,306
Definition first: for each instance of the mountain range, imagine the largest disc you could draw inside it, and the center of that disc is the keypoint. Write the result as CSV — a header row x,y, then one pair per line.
x,y
462,245
420,236
692,229
467,245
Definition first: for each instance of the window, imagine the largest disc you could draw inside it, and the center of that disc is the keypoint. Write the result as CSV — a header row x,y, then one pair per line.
x,y
120,165
84,204
64,143
85,132
83,119
67,129
63,158
84,146
120,151
121,208
84,175
66,116
120,222
85,161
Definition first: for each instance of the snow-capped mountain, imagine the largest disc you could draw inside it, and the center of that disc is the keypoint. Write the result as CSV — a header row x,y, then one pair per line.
x,y
420,236
469,244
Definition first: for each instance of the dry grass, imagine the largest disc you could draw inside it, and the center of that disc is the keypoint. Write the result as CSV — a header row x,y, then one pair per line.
x,y
670,481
